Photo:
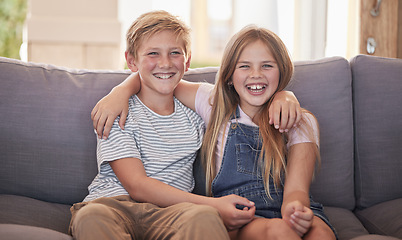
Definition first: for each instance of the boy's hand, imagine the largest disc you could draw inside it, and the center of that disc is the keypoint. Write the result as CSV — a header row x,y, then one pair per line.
x,y
106,111
285,111
233,217
299,217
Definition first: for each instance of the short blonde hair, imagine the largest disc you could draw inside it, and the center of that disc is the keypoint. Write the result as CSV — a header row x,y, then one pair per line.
x,y
153,22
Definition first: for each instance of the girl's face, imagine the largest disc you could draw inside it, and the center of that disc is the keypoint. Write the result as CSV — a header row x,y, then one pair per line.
x,y
256,77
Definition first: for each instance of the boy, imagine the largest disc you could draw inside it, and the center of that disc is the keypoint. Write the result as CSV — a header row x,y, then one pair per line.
x,y
142,190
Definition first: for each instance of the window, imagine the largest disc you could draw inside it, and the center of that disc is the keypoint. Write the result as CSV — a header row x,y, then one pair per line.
x,y
311,29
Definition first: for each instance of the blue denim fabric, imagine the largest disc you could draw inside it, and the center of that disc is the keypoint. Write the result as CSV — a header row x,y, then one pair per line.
x,y
240,174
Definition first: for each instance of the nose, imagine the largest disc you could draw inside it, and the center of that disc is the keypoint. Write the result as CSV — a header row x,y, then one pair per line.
x,y
255,73
165,62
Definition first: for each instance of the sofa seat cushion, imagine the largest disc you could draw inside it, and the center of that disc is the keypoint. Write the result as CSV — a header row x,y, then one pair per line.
x,y
384,218
29,211
346,224
374,237
15,231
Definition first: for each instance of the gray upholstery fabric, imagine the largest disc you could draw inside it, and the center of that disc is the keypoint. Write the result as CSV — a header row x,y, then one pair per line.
x,y
324,87
377,88
376,218
206,74
47,140
28,211
374,237
345,223
19,232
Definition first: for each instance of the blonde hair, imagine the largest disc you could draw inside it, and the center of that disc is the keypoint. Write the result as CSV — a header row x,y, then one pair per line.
x,y
153,22
225,100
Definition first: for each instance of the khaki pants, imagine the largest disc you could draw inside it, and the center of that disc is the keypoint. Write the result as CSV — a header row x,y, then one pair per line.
x,y
122,218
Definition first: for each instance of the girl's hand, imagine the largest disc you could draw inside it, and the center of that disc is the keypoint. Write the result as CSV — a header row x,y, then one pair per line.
x,y
299,217
285,111
107,109
234,217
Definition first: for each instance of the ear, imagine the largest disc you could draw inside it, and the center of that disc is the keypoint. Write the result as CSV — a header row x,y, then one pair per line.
x,y
130,60
188,62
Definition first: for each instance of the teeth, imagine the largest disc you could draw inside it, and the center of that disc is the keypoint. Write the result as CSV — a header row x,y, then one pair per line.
x,y
256,87
163,76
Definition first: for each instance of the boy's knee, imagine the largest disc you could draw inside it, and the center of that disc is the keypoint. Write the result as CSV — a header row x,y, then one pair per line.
x,y
93,210
91,214
193,211
97,221
193,214
201,222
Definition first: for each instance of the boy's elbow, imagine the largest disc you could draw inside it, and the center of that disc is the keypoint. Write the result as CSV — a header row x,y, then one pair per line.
x,y
138,190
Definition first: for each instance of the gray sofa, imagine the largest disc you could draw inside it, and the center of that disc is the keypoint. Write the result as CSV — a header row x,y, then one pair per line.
x,y
47,143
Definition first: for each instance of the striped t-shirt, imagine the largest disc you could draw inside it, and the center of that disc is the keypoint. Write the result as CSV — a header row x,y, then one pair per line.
x,y
166,145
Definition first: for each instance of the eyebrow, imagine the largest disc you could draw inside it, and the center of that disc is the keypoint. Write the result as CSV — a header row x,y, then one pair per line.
x,y
266,61
158,48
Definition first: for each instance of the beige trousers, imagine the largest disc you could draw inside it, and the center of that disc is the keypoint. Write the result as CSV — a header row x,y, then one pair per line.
x,y
122,218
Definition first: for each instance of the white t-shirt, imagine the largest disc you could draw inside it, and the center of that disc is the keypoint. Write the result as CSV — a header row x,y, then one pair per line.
x,y
203,108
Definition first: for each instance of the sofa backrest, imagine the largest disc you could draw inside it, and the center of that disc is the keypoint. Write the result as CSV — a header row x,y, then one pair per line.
x,y
47,143
48,147
377,99
323,87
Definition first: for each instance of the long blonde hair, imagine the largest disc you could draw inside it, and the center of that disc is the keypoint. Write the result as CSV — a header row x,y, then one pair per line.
x,y
225,100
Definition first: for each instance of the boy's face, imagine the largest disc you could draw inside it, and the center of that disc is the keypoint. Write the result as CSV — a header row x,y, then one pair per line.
x,y
161,62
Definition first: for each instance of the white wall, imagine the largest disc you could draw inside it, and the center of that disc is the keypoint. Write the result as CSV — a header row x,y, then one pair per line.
x,y
74,33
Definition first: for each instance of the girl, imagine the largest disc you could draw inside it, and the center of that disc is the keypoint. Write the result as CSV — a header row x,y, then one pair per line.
x,y
244,155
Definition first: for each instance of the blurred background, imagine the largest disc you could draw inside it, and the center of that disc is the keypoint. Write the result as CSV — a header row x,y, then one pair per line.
x,y
91,33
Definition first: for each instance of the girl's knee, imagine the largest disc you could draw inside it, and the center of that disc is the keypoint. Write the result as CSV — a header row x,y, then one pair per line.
x,y
263,228
320,230
277,228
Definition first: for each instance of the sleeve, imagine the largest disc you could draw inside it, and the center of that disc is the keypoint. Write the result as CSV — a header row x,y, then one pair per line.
x,y
301,133
202,101
120,144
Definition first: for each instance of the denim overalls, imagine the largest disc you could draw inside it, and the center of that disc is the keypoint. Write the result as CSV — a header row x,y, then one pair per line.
x,y
240,174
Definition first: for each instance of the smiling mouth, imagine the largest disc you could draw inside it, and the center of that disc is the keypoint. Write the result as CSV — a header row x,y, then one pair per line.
x,y
164,75
256,87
